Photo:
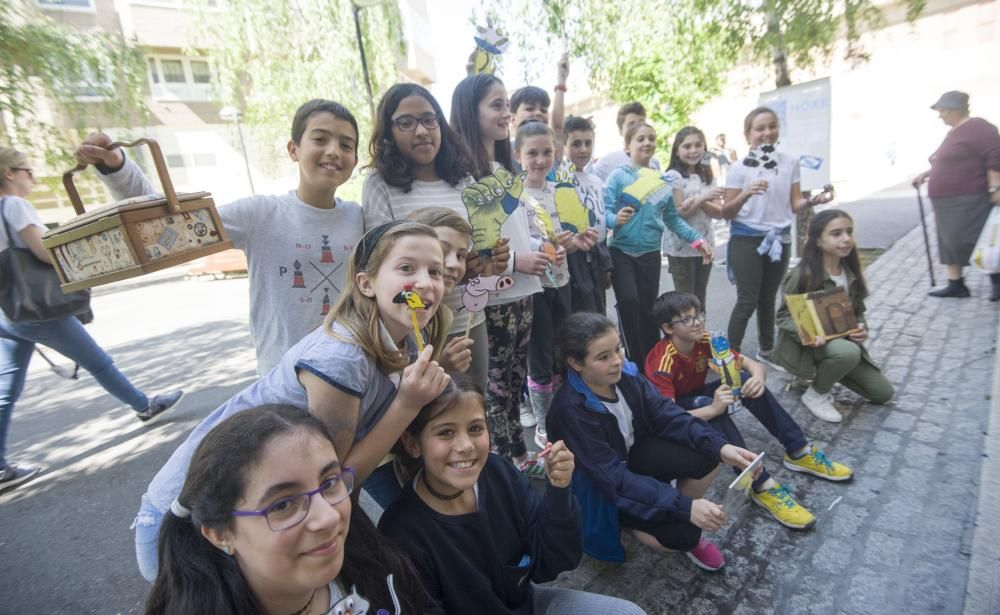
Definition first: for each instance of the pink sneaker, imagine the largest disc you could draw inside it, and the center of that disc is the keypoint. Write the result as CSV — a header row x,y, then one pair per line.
x,y
707,556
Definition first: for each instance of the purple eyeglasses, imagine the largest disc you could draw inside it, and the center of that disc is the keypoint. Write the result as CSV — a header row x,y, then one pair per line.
x,y
292,510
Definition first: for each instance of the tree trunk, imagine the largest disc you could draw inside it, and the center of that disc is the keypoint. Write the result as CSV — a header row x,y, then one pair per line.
x,y
779,56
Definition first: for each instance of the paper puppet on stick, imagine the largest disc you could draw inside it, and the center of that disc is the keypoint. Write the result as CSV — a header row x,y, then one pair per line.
x,y
648,188
763,159
412,300
490,201
541,227
573,214
728,365
476,294
489,45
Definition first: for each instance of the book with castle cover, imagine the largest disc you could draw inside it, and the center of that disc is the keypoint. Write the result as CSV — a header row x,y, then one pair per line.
x,y
826,313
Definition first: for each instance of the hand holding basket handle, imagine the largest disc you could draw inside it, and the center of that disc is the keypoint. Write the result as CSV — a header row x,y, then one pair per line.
x,y
90,152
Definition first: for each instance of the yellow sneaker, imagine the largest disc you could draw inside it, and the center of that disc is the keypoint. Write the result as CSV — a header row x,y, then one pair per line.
x,y
784,508
816,462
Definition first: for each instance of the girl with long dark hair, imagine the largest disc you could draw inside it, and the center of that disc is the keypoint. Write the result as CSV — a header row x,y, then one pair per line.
x,y
830,259
698,202
418,161
264,525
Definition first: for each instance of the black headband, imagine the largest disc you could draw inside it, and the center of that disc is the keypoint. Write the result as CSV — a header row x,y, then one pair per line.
x,y
363,251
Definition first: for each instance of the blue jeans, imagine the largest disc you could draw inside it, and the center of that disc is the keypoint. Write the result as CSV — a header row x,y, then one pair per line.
x,y
765,409
67,337
147,529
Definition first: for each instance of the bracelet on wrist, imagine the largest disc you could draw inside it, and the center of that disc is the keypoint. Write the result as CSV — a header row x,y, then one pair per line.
x,y
560,88
993,189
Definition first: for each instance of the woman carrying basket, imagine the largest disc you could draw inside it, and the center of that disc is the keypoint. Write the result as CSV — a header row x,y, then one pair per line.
x,y
22,228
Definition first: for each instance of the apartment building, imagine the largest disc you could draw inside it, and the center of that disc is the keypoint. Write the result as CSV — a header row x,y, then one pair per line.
x,y
202,151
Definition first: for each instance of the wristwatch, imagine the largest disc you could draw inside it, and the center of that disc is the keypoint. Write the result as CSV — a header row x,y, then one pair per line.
x,y
994,189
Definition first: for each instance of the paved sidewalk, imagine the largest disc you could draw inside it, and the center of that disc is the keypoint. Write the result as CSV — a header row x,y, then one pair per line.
x,y
900,537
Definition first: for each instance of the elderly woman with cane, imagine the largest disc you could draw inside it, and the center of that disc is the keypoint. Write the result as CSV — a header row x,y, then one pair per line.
x,y
964,183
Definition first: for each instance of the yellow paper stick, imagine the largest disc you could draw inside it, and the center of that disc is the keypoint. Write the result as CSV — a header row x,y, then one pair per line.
x,y
468,326
416,331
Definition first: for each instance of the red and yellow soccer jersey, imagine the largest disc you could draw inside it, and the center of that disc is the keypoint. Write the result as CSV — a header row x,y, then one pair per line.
x,y
675,374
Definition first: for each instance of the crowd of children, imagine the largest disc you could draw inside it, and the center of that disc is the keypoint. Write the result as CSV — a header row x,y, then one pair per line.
x,y
463,213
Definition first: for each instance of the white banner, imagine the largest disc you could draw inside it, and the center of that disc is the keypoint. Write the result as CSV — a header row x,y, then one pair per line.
x,y
804,113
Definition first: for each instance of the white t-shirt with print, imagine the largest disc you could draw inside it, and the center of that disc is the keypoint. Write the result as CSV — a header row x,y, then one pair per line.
x,y
700,221
297,256
773,209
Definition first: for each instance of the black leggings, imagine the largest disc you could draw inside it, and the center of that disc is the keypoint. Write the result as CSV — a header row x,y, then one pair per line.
x,y
637,283
666,460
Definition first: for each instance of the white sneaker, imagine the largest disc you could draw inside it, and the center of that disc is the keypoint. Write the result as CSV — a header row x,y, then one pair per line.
x,y
765,358
527,417
821,405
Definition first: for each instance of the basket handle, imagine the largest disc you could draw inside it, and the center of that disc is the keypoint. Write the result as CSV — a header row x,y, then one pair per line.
x,y
161,170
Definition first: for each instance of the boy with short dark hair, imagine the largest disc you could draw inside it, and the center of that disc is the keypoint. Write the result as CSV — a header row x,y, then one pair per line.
x,y
590,272
529,103
678,366
629,114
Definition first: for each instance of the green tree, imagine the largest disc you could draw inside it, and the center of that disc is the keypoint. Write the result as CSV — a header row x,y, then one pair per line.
x,y
270,57
670,55
41,60
673,55
804,31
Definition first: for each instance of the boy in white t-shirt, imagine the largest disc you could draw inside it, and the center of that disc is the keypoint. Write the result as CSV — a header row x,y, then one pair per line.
x,y
628,115
297,244
590,272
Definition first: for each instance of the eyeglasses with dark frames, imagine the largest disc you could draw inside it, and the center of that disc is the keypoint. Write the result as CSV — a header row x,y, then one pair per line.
x,y
687,321
30,173
408,123
290,511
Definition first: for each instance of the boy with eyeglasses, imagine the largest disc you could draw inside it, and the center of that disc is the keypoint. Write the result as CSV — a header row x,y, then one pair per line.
x,y
678,367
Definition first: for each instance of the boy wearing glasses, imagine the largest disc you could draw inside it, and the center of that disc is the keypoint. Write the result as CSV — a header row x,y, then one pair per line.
x,y
678,367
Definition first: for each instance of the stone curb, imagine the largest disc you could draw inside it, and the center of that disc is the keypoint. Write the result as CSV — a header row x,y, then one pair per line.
x,y
982,591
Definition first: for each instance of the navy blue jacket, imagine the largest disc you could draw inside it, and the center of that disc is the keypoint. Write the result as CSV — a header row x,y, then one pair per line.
x,y
485,562
602,481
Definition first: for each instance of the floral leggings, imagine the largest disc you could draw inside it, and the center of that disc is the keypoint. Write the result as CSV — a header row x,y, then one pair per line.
x,y
509,328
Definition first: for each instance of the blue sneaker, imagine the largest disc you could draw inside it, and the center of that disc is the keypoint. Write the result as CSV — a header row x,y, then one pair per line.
x,y
160,404
12,476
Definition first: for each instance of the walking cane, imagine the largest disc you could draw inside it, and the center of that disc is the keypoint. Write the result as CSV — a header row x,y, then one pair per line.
x,y
927,243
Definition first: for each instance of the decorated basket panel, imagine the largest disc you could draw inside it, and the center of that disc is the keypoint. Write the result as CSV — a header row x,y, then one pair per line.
x,y
177,233
94,255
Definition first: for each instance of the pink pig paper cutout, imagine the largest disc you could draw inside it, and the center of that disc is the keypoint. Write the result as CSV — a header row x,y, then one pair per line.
x,y
476,293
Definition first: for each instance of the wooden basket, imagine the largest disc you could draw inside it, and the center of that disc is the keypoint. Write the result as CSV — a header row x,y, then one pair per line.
x,y
136,236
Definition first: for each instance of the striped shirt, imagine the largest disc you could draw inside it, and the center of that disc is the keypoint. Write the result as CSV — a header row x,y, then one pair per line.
x,y
382,203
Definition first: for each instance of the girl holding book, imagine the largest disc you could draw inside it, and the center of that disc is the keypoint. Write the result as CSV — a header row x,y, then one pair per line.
x,y
830,259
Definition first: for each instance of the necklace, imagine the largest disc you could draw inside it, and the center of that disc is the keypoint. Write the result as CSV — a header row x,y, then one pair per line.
x,y
437,494
308,604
